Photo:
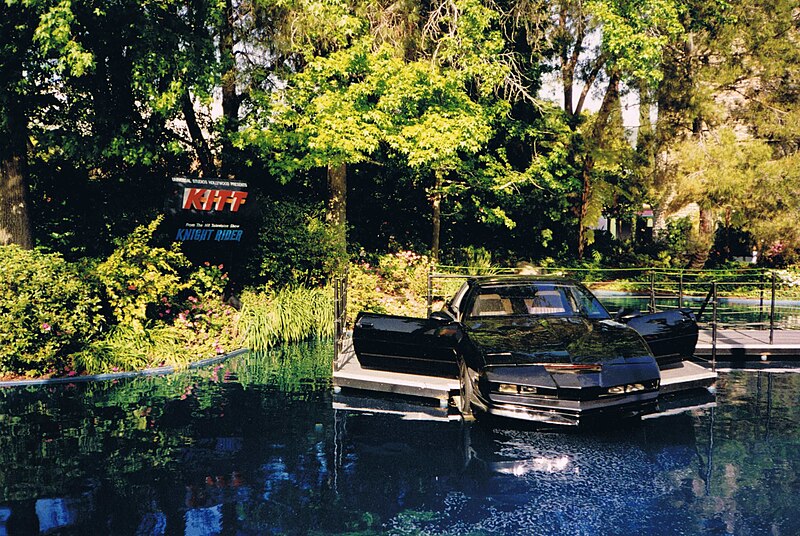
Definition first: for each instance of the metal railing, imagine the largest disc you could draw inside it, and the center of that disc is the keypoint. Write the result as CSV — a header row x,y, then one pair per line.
x,y
339,317
722,299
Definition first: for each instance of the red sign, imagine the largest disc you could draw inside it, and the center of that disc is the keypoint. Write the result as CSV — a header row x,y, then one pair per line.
x,y
207,199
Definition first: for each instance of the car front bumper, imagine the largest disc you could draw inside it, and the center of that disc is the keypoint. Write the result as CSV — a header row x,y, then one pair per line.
x,y
570,412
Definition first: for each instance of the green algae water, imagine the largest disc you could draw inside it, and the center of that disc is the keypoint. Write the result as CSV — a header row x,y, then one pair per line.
x,y
254,446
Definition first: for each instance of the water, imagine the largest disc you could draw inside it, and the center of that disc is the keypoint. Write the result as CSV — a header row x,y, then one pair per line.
x,y
739,312
254,447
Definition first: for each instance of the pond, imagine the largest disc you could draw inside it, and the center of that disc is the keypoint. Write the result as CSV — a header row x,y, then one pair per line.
x,y
254,447
741,312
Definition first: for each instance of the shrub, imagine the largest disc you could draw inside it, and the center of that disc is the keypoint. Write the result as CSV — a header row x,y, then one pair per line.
x,y
137,274
47,310
396,283
204,328
295,246
291,314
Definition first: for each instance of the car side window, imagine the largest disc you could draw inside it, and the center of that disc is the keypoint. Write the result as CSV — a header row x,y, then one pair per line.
x,y
587,304
455,305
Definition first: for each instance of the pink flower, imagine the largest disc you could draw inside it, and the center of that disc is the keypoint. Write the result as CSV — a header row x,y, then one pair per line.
x,y
220,266
45,326
71,373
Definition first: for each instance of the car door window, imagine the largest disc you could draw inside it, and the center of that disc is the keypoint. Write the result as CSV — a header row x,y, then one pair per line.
x,y
586,304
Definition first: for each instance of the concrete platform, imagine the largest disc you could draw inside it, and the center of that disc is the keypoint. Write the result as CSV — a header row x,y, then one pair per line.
x,y
685,377
350,375
430,397
750,344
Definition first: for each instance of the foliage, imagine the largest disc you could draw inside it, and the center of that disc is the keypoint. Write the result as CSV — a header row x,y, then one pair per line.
x,y
204,328
295,246
394,283
744,186
424,103
48,309
291,314
137,274
477,261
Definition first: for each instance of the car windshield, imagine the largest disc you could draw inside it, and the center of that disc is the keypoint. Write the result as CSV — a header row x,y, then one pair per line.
x,y
549,299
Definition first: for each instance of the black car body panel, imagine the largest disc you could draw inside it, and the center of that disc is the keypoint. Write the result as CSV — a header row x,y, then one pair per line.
x,y
671,335
530,348
402,344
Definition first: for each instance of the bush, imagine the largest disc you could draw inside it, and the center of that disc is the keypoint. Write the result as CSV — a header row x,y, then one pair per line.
x,y
291,314
47,310
204,328
136,275
295,246
395,283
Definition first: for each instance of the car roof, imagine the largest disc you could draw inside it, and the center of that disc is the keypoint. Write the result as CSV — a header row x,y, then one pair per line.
x,y
518,280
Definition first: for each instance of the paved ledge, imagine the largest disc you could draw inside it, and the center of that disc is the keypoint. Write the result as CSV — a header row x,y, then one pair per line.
x,y
157,371
744,343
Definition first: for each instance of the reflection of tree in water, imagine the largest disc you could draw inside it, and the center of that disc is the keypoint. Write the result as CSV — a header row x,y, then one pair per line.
x,y
149,449
249,450
755,460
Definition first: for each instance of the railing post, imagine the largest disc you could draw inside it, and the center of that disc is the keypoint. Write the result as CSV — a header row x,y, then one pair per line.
x,y
340,317
337,328
652,305
680,291
430,290
772,311
714,327
761,300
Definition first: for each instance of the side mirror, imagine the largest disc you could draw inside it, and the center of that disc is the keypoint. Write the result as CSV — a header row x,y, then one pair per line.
x,y
625,314
441,316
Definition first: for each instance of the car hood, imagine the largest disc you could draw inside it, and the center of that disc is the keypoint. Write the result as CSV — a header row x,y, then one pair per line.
x,y
529,340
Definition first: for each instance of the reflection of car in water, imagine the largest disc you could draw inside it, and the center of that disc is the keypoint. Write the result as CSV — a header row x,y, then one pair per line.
x,y
537,349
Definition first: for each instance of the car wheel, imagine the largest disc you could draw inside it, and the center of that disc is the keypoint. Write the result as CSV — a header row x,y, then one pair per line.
x,y
465,391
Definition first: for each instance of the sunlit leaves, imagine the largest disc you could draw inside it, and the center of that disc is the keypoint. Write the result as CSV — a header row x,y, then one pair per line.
x,y
635,32
54,35
724,173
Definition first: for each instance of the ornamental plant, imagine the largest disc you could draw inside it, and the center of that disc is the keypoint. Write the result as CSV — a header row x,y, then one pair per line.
x,y
48,309
137,274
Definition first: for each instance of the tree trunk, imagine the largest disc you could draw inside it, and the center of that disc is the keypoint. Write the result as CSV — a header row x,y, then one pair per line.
x,y
230,99
586,177
436,202
598,140
15,225
644,134
337,201
199,142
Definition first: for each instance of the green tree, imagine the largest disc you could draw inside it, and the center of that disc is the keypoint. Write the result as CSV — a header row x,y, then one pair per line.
x,y
89,113
347,105
736,71
613,44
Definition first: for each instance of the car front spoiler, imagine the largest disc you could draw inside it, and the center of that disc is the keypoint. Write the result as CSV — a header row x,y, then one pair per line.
x,y
583,412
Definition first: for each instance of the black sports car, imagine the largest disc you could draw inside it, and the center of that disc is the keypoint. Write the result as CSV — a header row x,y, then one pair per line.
x,y
538,349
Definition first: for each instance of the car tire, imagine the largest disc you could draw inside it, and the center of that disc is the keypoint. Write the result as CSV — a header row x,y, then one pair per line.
x,y
465,405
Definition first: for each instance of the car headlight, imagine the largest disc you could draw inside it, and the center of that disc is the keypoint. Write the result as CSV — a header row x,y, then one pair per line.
x,y
631,388
514,389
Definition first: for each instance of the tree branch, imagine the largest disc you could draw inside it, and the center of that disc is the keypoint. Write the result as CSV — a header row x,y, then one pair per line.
x,y
599,63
